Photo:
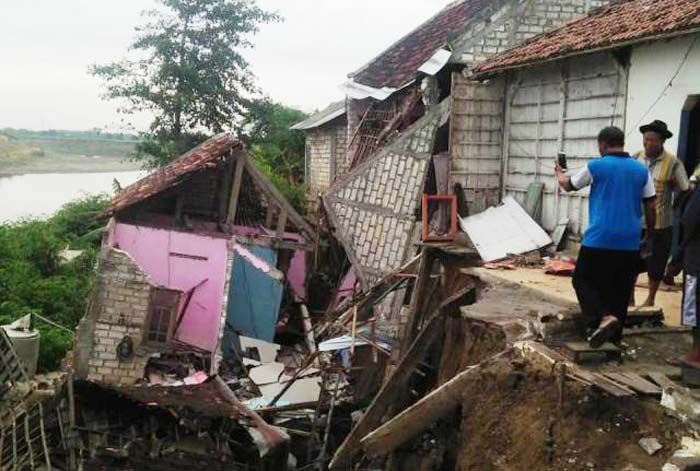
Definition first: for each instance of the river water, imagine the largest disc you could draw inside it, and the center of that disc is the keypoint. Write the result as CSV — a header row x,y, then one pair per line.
x,y
42,194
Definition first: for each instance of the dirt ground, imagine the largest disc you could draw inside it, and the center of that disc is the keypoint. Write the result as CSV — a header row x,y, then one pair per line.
x,y
513,420
560,286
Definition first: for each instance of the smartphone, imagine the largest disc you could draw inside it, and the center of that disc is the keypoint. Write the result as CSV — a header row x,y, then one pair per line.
x,y
561,160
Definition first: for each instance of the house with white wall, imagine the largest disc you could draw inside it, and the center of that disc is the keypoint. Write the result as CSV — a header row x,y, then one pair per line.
x,y
625,64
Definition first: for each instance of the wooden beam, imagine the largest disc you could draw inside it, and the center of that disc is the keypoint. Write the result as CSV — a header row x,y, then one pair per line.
x,y
308,329
388,393
281,224
296,218
270,215
435,406
235,188
225,187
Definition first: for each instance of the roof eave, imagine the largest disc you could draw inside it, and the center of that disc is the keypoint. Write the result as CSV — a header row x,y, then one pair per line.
x,y
477,75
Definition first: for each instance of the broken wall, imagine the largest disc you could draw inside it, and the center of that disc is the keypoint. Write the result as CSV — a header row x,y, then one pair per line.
x,y
119,308
476,140
182,261
373,208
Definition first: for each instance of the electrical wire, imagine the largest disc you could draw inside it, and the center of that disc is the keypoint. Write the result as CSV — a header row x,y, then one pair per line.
x,y
668,85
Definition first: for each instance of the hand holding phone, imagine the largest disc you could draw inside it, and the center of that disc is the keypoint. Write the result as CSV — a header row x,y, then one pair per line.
x,y
561,161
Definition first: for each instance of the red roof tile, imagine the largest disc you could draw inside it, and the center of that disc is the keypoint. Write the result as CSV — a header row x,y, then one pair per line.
x,y
607,27
398,65
203,156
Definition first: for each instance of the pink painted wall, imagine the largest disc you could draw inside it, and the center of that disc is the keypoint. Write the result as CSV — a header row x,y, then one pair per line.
x,y
181,261
296,275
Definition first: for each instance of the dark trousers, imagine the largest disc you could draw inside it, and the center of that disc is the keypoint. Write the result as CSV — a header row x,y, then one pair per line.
x,y
604,280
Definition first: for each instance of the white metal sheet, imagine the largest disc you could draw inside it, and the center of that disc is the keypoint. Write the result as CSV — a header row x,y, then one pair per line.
x,y
436,62
504,230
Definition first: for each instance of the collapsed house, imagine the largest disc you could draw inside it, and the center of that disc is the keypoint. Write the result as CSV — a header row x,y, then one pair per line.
x,y
196,255
410,127
203,261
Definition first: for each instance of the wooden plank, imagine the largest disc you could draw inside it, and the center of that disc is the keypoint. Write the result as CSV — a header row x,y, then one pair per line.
x,y
584,347
635,382
603,383
235,189
388,393
44,442
260,178
281,224
225,187
435,406
662,380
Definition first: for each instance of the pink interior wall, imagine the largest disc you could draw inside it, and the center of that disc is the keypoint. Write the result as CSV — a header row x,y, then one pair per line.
x,y
296,275
181,261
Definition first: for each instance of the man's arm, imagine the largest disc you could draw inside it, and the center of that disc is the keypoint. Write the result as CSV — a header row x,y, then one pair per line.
x,y
650,211
579,180
679,178
649,198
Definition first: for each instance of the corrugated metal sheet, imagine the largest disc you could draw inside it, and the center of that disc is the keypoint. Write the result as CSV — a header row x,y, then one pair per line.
x,y
476,137
560,107
332,111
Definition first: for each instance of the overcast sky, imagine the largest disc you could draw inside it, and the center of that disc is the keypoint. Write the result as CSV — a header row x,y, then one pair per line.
x,y
46,47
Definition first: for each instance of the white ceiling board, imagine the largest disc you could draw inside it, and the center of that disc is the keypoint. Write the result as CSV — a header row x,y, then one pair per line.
x,y
504,230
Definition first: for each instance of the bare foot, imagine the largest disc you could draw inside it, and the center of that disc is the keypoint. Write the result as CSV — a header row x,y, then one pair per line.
x,y
648,303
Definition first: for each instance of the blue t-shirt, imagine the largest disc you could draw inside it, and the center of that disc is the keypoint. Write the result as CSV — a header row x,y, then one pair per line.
x,y
618,185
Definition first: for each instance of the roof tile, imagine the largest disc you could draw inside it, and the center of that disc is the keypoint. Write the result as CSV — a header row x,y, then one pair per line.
x,y
206,154
605,27
399,64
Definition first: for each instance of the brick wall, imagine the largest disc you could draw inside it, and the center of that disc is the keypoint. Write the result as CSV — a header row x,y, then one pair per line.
x,y
326,155
514,22
119,307
374,207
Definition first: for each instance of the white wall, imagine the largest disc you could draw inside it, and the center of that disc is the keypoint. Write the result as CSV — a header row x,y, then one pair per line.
x,y
560,106
652,67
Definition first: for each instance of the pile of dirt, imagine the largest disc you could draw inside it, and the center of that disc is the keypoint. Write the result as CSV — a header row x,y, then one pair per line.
x,y
515,420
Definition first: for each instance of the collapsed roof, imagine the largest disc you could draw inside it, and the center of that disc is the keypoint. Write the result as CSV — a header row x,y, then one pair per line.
x,y
616,25
220,154
400,63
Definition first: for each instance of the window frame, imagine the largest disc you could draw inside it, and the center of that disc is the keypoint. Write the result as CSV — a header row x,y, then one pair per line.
x,y
173,315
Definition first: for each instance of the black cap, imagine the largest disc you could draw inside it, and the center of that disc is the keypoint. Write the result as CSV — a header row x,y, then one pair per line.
x,y
658,127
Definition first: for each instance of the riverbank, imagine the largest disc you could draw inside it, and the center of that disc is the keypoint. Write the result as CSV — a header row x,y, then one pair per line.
x,y
68,164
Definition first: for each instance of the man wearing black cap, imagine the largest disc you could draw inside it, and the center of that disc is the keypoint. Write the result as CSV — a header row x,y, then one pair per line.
x,y
669,176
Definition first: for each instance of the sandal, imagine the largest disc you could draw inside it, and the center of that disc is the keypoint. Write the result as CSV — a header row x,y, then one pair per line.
x,y
603,334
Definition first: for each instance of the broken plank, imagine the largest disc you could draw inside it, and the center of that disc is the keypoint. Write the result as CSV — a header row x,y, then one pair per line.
x,y
388,393
435,406
544,358
662,380
635,382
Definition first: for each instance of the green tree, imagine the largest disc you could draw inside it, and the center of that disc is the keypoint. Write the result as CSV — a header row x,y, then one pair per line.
x,y
277,149
189,72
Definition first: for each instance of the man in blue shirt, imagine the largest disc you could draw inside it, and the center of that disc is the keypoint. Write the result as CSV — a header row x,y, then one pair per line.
x,y
609,260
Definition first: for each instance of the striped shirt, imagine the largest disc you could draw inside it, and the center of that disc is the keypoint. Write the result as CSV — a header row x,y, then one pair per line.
x,y
669,176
